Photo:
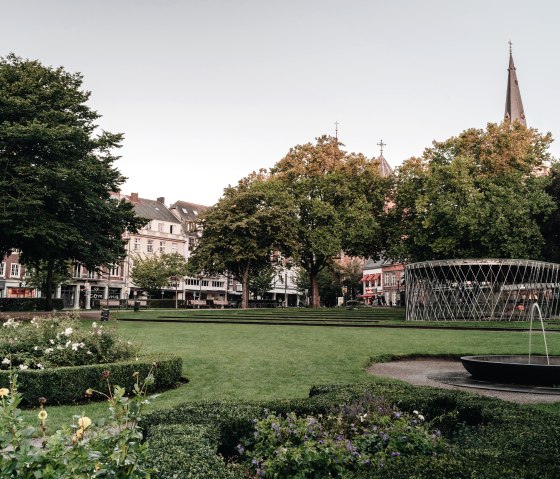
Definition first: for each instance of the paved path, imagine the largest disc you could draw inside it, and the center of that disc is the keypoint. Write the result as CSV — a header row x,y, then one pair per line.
x,y
419,371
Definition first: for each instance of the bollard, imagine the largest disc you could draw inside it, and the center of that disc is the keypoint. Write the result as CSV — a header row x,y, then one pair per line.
x,y
105,314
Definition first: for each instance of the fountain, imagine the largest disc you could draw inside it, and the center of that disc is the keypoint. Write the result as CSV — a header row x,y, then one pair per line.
x,y
517,369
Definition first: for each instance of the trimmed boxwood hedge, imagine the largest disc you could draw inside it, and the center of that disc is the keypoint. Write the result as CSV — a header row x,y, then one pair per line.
x,y
67,385
488,438
28,304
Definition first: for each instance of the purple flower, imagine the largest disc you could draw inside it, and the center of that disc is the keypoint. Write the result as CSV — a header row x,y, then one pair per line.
x,y
395,454
240,449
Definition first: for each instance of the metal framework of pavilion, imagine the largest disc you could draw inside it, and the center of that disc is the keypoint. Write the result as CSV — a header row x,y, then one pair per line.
x,y
481,290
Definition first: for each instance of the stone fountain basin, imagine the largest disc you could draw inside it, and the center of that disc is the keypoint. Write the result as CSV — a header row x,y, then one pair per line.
x,y
514,369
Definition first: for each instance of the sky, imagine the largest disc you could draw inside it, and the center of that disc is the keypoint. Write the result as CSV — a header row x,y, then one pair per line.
x,y
207,91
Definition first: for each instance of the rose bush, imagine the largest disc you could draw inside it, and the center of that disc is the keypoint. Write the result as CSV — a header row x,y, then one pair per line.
x,y
56,341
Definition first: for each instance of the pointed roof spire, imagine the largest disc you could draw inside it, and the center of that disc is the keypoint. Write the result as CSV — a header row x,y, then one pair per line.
x,y
514,105
384,167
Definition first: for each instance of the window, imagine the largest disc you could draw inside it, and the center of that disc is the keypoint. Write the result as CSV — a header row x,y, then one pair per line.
x,y
137,244
2,269
192,282
162,246
14,270
217,284
160,227
174,248
192,244
150,247
393,279
205,282
115,270
77,270
386,279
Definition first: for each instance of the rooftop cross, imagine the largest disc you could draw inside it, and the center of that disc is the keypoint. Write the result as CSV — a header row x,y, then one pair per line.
x,y
381,145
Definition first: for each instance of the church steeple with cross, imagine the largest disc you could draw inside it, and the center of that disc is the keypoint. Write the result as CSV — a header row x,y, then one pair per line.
x,y
514,105
384,167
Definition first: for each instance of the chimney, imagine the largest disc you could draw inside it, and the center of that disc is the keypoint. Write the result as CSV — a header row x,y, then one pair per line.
x,y
161,200
134,197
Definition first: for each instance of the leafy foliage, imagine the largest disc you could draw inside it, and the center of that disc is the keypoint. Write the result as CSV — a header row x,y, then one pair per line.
x,y
54,341
152,273
113,448
339,199
239,233
476,195
57,174
361,437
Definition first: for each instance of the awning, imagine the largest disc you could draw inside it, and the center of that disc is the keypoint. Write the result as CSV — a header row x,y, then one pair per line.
x,y
374,276
365,278
367,295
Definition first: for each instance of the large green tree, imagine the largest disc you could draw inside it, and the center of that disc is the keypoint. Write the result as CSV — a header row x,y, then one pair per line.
x,y
340,201
56,172
239,233
155,272
480,194
550,227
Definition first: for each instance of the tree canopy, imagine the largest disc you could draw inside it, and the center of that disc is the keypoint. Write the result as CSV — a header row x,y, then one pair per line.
x,y
153,273
480,194
239,233
57,171
339,198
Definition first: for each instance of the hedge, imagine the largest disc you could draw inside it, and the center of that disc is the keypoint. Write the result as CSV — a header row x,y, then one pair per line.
x,y
67,385
193,452
488,438
28,304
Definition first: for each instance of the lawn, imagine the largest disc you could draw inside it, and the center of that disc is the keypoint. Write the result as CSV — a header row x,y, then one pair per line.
x,y
240,361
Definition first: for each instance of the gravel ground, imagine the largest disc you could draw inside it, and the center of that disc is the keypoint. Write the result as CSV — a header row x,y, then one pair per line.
x,y
419,371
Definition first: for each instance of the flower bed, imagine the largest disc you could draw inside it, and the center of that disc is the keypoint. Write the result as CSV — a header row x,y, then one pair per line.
x,y
55,341
57,358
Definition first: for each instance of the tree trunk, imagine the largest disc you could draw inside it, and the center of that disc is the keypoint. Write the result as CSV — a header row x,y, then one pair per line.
x,y
245,288
315,299
49,286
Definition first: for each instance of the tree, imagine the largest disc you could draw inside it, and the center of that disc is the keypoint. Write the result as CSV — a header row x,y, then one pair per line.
x,y
339,198
149,273
550,228
262,282
349,271
475,195
239,233
176,267
56,172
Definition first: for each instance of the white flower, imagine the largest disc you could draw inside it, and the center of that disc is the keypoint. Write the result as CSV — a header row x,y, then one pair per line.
x,y
68,331
48,350
94,325
89,352
420,417
59,347
74,346
23,367
6,361
415,412
68,343
11,323
51,341
35,348
40,366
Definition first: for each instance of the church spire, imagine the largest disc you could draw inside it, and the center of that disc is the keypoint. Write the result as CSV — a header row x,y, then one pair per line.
x,y
514,105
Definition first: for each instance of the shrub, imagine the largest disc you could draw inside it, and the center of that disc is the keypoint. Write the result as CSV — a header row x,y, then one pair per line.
x,y
484,435
28,304
186,451
66,385
82,450
55,341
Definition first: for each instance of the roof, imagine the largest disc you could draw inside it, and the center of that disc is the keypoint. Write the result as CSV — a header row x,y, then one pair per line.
x,y
384,167
188,211
514,105
152,210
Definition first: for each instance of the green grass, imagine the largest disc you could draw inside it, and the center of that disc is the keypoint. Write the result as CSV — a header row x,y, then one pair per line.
x,y
238,361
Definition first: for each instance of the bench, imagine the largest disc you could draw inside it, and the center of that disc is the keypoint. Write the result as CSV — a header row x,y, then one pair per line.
x,y
199,303
222,303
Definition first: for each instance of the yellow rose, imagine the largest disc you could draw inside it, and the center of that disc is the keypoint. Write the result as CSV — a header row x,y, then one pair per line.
x,y
4,392
42,415
84,422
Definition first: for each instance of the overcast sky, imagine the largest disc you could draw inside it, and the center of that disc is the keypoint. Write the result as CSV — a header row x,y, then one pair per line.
x,y
206,91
